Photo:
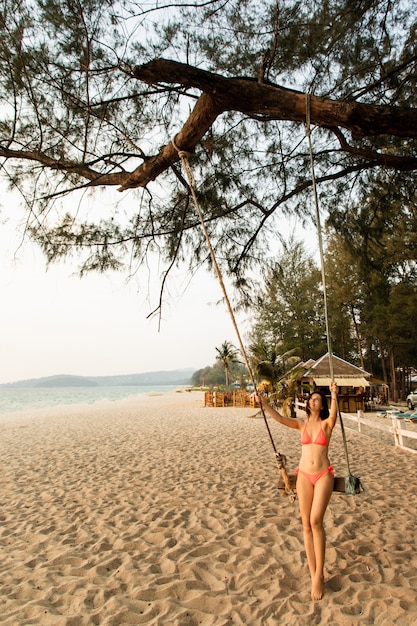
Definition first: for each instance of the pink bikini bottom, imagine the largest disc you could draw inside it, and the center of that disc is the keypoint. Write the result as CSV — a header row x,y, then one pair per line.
x,y
313,478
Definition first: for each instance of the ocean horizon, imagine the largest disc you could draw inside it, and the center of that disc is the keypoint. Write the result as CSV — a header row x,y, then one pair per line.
x,y
14,399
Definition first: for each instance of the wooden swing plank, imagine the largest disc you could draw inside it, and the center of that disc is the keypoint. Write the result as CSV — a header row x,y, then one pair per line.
x,y
339,483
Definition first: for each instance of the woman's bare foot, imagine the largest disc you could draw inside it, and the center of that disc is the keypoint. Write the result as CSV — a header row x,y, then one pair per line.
x,y
317,589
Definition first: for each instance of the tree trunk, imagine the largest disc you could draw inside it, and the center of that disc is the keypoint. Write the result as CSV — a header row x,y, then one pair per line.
x,y
384,366
394,390
357,335
226,373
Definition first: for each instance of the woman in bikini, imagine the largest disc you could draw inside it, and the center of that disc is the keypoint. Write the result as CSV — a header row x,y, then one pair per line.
x,y
315,476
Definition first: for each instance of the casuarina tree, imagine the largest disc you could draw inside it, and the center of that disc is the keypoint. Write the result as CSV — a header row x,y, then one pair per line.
x,y
98,97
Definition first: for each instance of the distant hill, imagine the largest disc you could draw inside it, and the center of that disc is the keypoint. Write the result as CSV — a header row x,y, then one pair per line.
x,y
170,377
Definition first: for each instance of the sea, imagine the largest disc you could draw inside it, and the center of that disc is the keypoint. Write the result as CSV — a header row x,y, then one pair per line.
x,y
16,399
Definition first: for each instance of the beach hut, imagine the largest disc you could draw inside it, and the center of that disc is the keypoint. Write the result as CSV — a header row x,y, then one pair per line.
x,y
354,382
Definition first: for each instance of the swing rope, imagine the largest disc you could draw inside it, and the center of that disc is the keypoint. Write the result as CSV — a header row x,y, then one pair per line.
x,y
352,483
280,458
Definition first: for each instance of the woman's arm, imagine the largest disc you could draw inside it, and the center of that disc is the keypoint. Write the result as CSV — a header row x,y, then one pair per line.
x,y
286,421
333,406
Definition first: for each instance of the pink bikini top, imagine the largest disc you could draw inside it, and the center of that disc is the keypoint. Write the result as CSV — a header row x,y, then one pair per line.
x,y
320,439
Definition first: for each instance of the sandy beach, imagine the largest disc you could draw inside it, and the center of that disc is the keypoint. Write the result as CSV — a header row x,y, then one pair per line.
x,y
160,511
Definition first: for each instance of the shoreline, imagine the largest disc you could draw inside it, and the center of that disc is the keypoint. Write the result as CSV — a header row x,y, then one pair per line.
x,y
159,510
32,400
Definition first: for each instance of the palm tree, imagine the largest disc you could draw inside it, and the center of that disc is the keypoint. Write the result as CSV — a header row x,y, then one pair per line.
x,y
227,354
269,364
287,388
280,371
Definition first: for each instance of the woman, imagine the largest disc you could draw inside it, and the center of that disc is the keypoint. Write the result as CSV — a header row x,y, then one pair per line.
x,y
315,476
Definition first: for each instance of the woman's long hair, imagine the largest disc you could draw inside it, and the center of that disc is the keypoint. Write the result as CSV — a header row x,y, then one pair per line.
x,y
324,411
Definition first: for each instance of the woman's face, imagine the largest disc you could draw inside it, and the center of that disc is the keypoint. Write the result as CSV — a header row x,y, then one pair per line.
x,y
315,403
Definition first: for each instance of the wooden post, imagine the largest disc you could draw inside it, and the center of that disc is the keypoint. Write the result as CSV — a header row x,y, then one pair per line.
x,y
398,437
360,416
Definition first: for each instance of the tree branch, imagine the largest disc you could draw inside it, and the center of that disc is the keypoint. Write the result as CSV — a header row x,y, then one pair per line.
x,y
278,103
266,102
65,165
385,159
256,100
201,118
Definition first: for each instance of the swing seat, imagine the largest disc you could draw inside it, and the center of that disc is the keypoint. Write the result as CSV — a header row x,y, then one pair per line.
x,y
339,483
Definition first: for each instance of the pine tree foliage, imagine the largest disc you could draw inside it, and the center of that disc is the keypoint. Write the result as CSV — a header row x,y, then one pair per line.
x,y
92,94
374,243
288,314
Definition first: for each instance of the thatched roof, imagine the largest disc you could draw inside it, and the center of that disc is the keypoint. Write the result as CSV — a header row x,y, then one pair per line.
x,y
345,373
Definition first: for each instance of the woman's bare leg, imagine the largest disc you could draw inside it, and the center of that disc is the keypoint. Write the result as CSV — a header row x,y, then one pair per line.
x,y
313,502
322,492
305,494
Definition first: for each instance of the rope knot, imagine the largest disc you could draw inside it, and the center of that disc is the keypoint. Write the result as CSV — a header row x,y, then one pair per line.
x,y
281,460
183,154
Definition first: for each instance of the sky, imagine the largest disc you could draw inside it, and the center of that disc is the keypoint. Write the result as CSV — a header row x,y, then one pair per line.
x,y
54,322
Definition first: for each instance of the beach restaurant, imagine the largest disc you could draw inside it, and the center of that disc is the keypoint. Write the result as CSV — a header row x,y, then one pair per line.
x,y
358,390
